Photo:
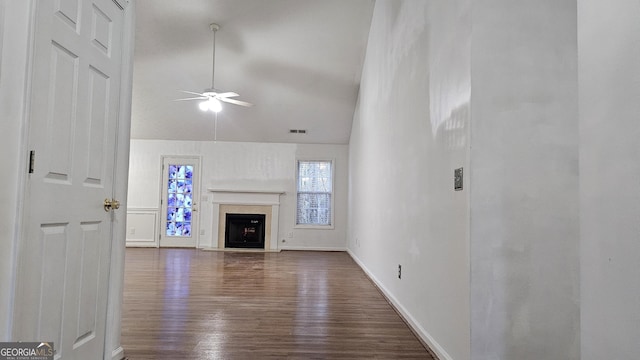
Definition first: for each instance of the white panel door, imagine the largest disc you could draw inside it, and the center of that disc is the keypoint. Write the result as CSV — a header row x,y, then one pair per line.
x,y
64,265
180,192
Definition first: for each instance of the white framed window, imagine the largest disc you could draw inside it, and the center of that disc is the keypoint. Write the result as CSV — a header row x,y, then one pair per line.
x,y
315,194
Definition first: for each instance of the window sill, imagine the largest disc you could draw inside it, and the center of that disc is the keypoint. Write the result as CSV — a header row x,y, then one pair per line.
x,y
315,227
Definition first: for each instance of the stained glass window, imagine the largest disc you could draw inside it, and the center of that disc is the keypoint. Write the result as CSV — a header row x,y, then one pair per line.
x,y
314,193
179,200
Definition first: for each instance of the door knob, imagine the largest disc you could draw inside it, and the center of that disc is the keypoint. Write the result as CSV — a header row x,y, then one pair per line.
x,y
112,204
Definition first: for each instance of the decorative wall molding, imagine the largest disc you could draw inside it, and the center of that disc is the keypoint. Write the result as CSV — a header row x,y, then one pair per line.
x,y
142,227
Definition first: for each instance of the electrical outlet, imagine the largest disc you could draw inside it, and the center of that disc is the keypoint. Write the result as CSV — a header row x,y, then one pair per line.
x,y
290,234
201,231
132,231
399,271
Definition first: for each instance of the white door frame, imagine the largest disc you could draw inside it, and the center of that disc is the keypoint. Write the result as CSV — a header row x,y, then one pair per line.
x,y
113,347
195,224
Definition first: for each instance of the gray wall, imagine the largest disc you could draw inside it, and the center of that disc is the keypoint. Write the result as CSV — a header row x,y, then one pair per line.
x,y
492,86
524,180
409,133
609,62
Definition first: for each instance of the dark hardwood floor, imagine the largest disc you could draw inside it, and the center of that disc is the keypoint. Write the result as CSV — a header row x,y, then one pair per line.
x,y
190,304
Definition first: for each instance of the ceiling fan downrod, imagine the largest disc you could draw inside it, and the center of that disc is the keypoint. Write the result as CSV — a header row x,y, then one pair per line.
x,y
214,27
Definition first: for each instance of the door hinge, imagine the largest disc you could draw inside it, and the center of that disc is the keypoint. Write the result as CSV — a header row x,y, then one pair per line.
x,y
32,161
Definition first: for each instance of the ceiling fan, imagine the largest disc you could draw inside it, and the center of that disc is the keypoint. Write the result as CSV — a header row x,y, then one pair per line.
x,y
212,97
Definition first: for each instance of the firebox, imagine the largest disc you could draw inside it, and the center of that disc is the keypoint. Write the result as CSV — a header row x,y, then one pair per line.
x,y
244,231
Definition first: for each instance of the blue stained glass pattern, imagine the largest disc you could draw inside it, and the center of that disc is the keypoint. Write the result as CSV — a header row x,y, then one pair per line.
x,y
171,231
173,186
179,200
180,215
171,200
171,214
180,185
173,171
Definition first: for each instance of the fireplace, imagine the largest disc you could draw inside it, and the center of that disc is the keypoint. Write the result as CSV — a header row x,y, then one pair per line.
x,y
264,202
244,231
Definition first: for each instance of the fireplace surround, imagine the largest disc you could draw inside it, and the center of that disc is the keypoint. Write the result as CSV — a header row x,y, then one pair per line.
x,y
265,202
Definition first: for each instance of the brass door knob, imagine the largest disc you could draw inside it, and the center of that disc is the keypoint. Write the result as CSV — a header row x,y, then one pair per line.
x,y
112,204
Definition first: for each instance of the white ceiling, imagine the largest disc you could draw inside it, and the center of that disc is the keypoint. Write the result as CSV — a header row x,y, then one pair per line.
x,y
298,61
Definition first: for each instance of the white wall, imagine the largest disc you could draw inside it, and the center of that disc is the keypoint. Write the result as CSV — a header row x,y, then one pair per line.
x,y
243,166
14,34
609,63
524,180
2,5
409,133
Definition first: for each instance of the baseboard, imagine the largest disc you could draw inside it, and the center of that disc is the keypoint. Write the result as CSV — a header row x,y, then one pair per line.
x,y
420,332
131,244
117,354
312,248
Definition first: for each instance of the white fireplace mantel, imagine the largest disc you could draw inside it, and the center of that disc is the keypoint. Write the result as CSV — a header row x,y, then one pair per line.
x,y
246,197
249,198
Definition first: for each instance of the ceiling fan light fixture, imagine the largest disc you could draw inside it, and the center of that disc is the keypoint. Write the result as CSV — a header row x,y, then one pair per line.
x,y
215,105
211,104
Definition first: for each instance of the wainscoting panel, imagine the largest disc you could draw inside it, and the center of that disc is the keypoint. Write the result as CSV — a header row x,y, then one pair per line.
x,y
142,227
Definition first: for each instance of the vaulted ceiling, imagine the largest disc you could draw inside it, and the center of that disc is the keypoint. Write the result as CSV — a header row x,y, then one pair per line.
x,y
298,61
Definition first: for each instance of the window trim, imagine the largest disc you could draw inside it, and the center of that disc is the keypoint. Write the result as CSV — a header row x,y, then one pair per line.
x,y
332,161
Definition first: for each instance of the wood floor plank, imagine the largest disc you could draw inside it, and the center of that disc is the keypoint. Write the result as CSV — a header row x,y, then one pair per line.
x,y
190,304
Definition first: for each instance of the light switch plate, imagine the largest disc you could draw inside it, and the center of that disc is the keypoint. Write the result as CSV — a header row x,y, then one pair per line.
x,y
457,179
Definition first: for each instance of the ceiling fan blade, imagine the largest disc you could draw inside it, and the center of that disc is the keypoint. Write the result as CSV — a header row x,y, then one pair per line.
x,y
236,102
192,93
226,95
193,98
